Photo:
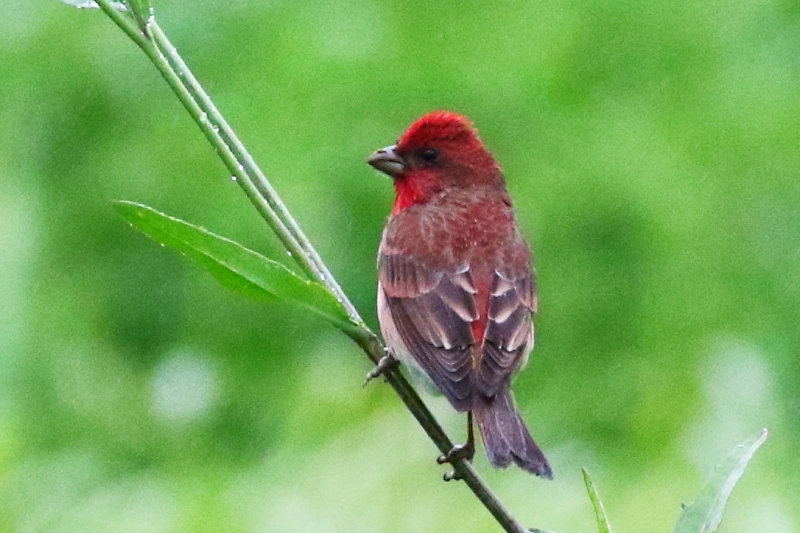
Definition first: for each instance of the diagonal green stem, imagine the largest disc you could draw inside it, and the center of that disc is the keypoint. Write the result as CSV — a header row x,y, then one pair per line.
x,y
143,29
125,23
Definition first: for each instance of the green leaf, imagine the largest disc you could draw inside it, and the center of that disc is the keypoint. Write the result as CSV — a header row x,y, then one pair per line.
x,y
238,268
705,514
599,511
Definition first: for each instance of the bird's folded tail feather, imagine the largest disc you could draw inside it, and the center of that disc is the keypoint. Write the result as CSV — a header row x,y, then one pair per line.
x,y
506,438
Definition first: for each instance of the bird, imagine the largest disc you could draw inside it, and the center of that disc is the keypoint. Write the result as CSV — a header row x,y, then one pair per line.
x,y
456,287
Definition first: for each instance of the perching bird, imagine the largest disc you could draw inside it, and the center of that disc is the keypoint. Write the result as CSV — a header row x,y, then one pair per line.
x,y
456,291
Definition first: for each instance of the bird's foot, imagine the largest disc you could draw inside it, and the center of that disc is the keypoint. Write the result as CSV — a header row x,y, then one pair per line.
x,y
458,452
384,363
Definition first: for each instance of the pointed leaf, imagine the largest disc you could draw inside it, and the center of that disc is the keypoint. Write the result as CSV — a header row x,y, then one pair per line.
x,y
705,514
599,511
238,268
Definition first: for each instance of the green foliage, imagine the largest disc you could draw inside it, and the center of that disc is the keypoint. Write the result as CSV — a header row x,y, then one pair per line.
x,y
705,514
239,269
603,525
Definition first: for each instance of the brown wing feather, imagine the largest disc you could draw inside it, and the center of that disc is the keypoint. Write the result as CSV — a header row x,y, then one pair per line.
x,y
509,332
432,312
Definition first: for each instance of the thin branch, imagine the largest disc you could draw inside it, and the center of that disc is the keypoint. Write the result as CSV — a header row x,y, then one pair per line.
x,y
154,43
125,22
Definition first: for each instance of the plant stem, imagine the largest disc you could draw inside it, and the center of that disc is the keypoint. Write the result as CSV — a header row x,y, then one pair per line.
x,y
155,44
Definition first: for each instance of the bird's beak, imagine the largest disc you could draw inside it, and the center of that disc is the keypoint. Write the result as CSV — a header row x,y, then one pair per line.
x,y
387,161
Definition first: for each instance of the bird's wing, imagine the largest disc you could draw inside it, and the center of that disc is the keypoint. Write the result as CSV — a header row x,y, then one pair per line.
x,y
508,338
432,311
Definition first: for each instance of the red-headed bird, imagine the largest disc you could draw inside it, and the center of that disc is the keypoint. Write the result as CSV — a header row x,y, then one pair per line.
x,y
456,291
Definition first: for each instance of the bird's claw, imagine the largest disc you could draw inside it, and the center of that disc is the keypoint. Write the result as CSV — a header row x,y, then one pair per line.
x,y
384,363
458,452
451,476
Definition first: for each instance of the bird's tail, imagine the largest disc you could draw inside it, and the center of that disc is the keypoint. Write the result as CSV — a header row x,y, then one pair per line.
x,y
507,439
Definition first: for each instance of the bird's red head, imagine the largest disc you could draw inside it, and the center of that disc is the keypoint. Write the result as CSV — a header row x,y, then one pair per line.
x,y
439,151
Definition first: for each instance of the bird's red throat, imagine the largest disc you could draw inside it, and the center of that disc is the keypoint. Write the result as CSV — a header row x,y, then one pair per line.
x,y
407,193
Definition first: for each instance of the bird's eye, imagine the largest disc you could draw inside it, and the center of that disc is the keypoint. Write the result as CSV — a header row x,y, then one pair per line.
x,y
430,154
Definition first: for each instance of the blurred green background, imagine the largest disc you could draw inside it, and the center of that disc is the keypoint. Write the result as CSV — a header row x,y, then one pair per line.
x,y
652,152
